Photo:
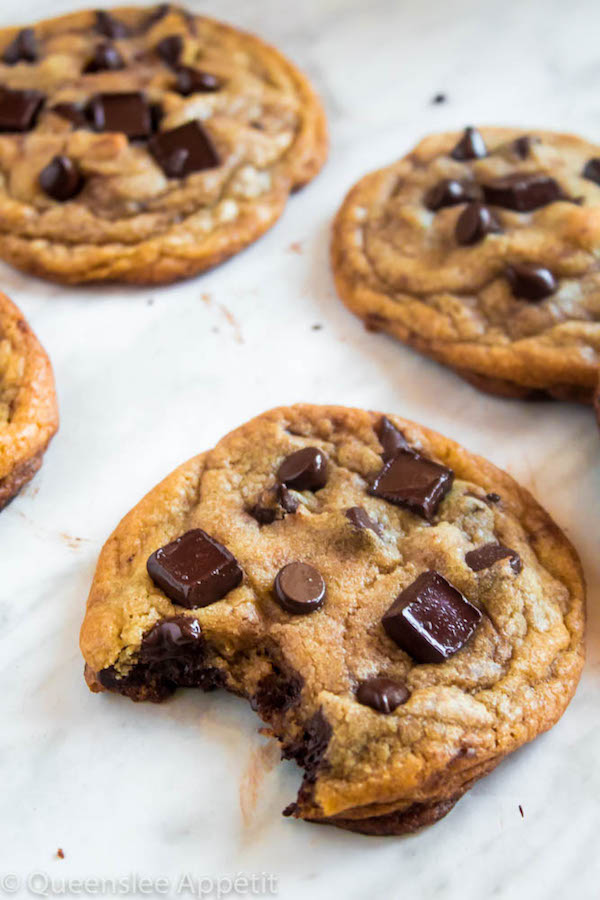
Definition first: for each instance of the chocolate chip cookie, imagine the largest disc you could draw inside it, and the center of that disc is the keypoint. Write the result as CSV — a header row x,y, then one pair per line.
x,y
481,250
399,611
28,412
146,145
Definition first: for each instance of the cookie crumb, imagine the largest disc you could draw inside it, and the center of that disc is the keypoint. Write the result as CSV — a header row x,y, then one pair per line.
x,y
439,98
60,853
521,811
316,327
295,247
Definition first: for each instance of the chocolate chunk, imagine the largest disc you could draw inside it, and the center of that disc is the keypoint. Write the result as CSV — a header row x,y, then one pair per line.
x,y
474,223
304,470
71,112
277,692
170,638
299,588
111,27
61,179
160,12
414,481
531,282
360,518
194,570
382,694
106,58
195,81
390,438
170,49
128,113
19,109
485,556
470,146
309,751
184,150
522,191
493,498
591,170
450,192
22,49
273,504
430,619
522,146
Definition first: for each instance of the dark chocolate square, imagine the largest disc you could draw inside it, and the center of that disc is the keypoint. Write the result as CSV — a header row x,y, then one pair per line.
x,y
411,480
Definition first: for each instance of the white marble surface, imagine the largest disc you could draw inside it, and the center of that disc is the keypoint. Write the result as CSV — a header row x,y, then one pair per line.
x,y
146,378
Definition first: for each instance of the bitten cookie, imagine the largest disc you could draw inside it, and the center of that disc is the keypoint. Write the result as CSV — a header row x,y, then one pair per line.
x,y
28,411
146,145
481,251
399,611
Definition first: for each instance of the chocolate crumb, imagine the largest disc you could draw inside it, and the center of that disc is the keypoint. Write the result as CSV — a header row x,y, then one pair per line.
x,y
316,327
521,811
439,98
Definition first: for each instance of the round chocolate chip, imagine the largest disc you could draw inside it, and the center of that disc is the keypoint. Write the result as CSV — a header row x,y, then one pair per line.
x,y
450,192
170,49
106,58
61,178
304,470
299,588
194,81
591,170
470,146
531,282
474,223
382,694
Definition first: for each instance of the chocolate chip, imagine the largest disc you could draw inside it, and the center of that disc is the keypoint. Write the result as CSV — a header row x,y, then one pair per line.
x,y
470,146
106,58
22,49
71,112
277,692
304,470
591,170
194,81
170,638
382,694
194,570
359,517
522,191
430,619
485,556
160,12
19,109
111,27
184,150
474,223
450,192
299,588
531,282
414,481
493,498
522,146
128,113
273,504
390,438
61,179
170,49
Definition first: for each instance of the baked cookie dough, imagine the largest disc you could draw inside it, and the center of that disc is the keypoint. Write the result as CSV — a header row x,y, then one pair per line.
x,y
28,411
481,250
399,611
146,145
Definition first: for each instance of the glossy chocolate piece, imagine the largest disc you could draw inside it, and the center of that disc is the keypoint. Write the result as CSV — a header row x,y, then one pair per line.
x,y
170,49
195,81
274,503
413,481
304,470
522,191
105,58
430,619
72,113
359,518
391,439
299,588
194,570
170,639
470,146
474,223
485,556
19,109
450,192
110,27
522,146
61,179
184,150
126,113
22,49
384,695
532,283
591,170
